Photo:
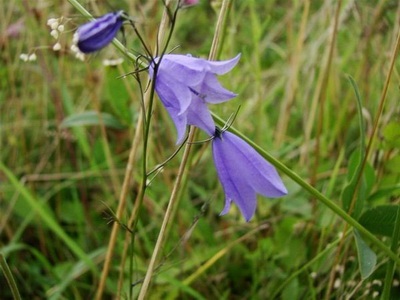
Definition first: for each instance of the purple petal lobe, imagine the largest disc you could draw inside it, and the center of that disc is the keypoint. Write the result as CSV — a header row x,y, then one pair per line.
x,y
264,178
222,67
199,116
173,94
98,33
244,173
180,122
214,92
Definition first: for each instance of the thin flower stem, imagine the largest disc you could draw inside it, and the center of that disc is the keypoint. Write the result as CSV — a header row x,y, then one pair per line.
x,y
171,204
142,190
314,192
121,206
174,198
128,173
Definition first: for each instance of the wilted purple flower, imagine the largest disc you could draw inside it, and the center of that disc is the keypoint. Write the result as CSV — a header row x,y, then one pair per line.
x,y
185,84
186,3
243,173
98,33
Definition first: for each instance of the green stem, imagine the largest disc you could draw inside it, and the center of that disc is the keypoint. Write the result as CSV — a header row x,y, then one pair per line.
x,y
9,277
318,195
391,264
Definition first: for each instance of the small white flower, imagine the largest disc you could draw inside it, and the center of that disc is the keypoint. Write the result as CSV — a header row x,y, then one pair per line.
x,y
54,33
377,282
52,21
54,25
32,57
60,28
80,56
375,294
75,38
113,62
57,47
337,283
339,269
24,57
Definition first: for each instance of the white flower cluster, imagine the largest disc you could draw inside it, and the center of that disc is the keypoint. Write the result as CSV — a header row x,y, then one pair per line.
x,y
57,28
74,48
112,62
28,57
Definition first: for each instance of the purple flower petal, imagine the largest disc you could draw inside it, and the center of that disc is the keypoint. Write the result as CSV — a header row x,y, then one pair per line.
x,y
180,122
199,116
183,68
185,85
264,178
224,66
98,33
243,173
214,92
233,181
172,93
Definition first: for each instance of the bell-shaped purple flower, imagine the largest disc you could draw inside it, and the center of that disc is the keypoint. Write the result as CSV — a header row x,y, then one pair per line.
x,y
186,84
98,33
243,173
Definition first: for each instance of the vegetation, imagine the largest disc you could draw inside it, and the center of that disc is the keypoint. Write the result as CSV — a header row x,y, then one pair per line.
x,y
318,85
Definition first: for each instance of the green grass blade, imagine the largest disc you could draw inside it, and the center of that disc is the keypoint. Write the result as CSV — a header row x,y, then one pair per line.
x,y
46,217
9,277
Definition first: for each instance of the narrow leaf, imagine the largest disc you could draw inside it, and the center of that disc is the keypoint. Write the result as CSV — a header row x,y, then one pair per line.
x,y
88,118
357,181
384,192
366,257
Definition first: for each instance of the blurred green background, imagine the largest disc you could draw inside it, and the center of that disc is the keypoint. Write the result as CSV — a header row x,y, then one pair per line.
x,y
61,180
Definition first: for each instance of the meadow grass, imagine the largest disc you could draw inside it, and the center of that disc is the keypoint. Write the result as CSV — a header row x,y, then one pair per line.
x,y
318,95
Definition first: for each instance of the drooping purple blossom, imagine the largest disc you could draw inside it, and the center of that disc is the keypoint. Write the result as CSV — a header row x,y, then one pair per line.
x,y
98,33
187,3
186,84
243,173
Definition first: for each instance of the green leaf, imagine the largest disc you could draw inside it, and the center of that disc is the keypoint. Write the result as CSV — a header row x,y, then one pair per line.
x,y
117,96
391,135
365,186
380,220
366,257
393,165
292,290
88,118
360,178
385,192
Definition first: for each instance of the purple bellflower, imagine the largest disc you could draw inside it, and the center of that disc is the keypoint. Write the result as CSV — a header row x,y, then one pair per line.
x,y
98,33
186,84
243,173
